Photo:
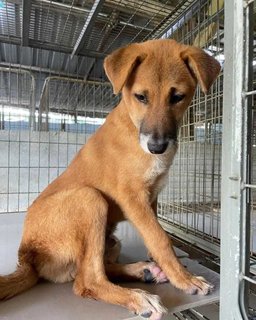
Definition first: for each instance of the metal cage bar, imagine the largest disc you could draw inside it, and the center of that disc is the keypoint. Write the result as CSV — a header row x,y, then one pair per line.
x,y
236,165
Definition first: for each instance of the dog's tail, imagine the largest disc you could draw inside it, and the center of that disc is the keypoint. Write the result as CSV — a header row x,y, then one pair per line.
x,y
24,278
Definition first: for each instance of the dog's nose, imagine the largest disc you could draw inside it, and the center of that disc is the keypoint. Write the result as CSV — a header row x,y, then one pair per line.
x,y
157,148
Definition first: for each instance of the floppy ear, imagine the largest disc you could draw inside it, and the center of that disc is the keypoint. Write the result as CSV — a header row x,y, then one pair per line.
x,y
120,64
202,66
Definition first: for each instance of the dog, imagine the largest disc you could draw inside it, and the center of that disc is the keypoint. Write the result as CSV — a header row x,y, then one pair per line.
x,y
117,175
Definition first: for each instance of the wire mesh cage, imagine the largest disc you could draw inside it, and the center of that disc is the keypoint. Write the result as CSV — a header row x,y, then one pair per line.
x,y
54,93
74,105
191,201
53,85
17,96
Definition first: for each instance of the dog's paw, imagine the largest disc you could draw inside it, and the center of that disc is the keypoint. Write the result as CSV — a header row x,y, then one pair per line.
x,y
153,273
149,305
198,285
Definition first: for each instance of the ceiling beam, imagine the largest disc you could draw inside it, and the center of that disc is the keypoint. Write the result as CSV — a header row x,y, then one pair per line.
x,y
87,26
50,46
70,76
26,8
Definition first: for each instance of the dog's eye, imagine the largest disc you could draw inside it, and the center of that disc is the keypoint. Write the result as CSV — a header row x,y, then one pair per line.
x,y
176,97
141,98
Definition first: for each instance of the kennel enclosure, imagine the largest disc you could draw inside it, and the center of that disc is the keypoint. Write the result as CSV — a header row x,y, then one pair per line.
x,y
54,95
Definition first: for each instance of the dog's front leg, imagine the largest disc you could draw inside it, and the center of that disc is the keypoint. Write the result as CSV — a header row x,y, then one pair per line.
x,y
154,208
141,214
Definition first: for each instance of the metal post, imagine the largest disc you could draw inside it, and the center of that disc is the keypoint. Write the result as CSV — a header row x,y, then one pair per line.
x,y
235,217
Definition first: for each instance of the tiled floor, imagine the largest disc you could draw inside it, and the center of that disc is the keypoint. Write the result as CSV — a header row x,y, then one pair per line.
x,y
56,301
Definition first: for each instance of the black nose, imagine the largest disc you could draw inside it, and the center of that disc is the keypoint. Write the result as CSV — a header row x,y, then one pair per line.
x,y
157,148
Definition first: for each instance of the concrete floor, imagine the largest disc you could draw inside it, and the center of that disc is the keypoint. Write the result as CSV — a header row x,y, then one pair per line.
x,y
56,301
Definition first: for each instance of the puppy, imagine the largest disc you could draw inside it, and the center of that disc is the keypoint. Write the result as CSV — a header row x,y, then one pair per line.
x,y
68,231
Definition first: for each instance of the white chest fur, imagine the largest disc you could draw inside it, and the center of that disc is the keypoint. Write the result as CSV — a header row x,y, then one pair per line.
x,y
157,173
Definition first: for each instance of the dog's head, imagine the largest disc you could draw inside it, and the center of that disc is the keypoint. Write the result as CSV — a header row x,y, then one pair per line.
x,y
158,80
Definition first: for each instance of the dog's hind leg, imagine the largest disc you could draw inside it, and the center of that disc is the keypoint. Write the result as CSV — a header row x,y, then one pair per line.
x,y
143,271
91,280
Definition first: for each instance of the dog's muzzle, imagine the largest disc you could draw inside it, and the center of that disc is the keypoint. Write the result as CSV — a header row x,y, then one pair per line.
x,y
154,146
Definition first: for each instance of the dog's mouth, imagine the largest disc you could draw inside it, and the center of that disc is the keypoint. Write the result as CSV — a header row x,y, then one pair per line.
x,y
155,146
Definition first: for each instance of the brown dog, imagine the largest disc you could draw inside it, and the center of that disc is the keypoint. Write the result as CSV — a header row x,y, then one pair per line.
x,y
115,176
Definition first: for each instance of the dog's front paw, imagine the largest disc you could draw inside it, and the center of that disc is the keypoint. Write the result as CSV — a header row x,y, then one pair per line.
x,y
149,306
197,285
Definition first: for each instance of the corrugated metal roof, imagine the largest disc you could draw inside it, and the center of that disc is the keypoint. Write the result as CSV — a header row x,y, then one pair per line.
x,y
56,26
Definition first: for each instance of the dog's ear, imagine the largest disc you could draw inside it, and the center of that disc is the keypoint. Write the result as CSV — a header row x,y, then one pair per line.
x,y
120,64
202,66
